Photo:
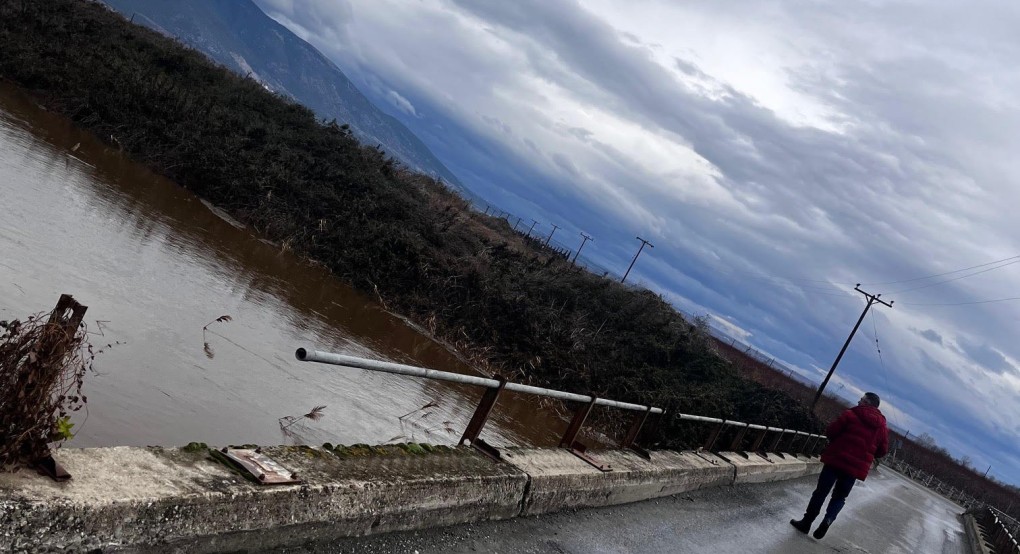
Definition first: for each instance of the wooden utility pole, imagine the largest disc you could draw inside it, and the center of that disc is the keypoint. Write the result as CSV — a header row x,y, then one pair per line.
x,y
872,298
549,238
643,244
533,223
586,239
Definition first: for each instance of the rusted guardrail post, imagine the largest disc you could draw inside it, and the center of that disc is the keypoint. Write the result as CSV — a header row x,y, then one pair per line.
x,y
481,415
714,436
774,447
738,440
570,442
759,439
630,439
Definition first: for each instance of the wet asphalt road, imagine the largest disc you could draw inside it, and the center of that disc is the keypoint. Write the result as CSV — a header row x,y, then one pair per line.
x,y
886,514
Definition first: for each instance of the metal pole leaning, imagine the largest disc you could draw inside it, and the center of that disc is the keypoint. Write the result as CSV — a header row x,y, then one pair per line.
x,y
738,440
759,439
479,418
774,446
630,439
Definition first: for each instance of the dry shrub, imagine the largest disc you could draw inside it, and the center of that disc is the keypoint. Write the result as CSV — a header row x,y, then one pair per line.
x,y
42,369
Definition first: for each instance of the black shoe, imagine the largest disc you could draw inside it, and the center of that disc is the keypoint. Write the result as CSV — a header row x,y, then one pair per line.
x,y
802,525
823,527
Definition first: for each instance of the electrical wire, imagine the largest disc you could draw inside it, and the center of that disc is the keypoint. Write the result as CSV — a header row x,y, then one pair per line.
x,y
1011,260
881,360
956,278
961,303
943,274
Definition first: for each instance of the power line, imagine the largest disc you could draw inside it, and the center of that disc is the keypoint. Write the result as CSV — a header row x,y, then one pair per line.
x,y
956,278
961,303
881,361
1011,259
943,274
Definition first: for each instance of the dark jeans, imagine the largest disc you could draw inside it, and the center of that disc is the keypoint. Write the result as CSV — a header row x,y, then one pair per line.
x,y
843,483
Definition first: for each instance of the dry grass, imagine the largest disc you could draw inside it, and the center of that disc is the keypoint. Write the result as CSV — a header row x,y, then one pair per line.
x,y
42,370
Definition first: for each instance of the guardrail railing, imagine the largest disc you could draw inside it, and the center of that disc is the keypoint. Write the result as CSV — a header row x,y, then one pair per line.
x,y
759,441
996,533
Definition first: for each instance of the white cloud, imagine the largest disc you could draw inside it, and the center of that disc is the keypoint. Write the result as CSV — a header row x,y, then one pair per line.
x,y
401,103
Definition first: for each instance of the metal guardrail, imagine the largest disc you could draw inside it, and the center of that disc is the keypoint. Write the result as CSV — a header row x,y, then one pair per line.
x,y
1000,530
934,483
792,441
996,533
783,440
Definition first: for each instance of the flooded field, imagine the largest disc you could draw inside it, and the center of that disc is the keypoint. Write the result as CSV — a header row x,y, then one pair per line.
x,y
155,265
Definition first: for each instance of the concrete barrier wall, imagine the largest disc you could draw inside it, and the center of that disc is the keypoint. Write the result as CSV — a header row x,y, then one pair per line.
x,y
171,500
561,480
758,468
142,496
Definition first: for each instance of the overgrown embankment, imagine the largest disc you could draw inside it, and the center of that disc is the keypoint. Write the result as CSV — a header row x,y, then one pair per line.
x,y
311,187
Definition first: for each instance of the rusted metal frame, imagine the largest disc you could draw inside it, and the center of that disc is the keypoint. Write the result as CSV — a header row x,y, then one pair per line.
x,y
47,465
738,440
710,442
808,446
774,446
759,439
570,442
570,436
480,417
630,440
811,444
796,441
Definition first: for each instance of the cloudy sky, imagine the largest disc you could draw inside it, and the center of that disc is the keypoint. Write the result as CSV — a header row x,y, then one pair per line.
x,y
775,153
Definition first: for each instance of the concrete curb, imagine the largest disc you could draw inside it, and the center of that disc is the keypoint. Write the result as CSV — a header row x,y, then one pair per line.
x,y
561,480
175,500
757,468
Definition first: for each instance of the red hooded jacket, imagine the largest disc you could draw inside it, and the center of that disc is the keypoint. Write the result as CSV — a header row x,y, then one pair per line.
x,y
856,438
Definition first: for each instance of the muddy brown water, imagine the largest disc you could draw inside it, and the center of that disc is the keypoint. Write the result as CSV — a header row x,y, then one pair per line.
x,y
155,264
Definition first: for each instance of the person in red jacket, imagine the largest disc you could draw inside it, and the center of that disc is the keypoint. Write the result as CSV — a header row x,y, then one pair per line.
x,y
856,438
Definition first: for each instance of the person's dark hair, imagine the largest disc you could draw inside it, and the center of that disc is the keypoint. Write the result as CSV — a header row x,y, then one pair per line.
x,y
872,399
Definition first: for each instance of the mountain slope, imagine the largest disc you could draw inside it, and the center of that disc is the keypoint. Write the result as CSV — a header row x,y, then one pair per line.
x,y
238,35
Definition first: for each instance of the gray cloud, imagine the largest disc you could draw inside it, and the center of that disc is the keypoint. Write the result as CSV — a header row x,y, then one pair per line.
x,y
931,335
988,357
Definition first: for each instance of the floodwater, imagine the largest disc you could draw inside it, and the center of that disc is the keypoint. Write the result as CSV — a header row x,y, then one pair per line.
x,y
155,265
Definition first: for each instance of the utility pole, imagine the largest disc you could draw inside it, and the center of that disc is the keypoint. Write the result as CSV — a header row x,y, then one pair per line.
x,y
516,224
549,238
586,239
643,244
533,223
872,298
987,470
